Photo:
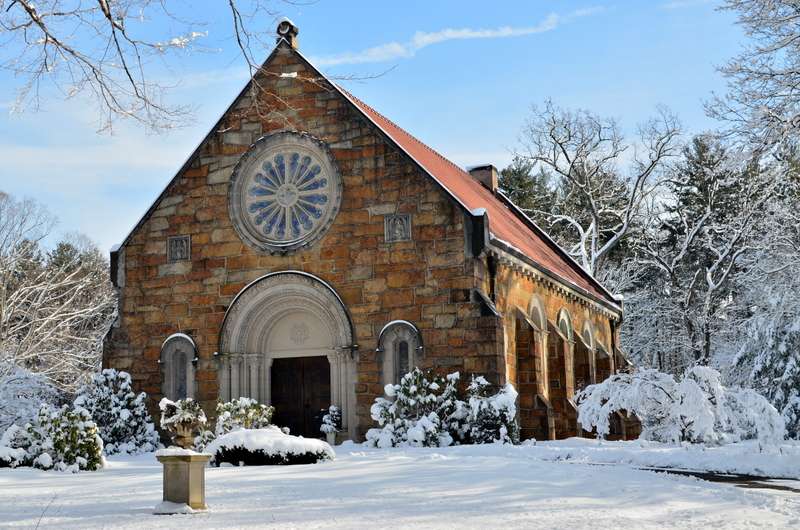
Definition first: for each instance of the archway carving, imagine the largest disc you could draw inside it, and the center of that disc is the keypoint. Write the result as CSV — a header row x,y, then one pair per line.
x,y
286,315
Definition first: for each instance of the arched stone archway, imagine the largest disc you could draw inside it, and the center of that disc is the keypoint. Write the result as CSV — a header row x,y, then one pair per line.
x,y
296,318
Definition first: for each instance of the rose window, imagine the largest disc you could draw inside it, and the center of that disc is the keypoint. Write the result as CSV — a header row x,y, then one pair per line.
x,y
285,192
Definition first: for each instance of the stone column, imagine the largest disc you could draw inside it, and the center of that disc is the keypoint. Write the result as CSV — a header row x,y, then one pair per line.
x,y
236,362
224,376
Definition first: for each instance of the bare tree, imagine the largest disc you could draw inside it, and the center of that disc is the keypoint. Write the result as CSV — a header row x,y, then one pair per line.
x,y
55,307
602,179
107,49
763,100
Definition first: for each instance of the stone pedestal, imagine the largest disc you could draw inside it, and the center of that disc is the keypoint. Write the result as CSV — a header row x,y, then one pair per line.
x,y
184,478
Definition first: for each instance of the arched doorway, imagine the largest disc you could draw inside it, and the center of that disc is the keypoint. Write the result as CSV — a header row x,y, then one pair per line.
x,y
287,340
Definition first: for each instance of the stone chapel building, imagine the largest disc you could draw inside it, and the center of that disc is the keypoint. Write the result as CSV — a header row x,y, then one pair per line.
x,y
311,251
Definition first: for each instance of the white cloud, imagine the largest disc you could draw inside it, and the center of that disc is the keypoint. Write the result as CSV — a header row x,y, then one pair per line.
x,y
680,4
421,39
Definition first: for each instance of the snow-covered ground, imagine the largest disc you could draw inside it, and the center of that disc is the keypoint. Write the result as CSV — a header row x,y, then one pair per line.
x,y
457,487
741,458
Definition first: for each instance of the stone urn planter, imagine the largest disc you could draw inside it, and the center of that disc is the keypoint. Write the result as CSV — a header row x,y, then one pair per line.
x,y
183,420
184,481
330,437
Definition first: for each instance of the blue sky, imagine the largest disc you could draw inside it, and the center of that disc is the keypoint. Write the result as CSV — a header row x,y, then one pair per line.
x,y
462,76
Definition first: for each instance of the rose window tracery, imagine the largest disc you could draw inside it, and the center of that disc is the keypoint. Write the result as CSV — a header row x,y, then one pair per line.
x,y
284,192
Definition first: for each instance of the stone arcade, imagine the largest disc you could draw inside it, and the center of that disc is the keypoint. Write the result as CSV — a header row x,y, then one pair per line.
x,y
310,251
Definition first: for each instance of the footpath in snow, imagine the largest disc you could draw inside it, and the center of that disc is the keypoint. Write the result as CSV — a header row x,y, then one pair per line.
x,y
457,487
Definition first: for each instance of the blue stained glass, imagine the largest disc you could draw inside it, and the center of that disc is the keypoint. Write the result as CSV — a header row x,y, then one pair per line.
x,y
259,205
311,175
281,225
295,225
258,191
281,168
304,219
314,199
317,184
304,166
273,175
261,179
315,212
293,165
263,215
272,220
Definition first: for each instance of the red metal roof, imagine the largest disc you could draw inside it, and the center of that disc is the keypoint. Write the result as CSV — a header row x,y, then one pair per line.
x,y
504,224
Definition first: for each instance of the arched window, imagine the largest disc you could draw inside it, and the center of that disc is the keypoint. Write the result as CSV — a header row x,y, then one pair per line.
x,y
399,350
177,367
536,312
565,324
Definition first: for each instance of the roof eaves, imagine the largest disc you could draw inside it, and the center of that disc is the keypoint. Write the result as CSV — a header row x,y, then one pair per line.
x,y
509,249
542,233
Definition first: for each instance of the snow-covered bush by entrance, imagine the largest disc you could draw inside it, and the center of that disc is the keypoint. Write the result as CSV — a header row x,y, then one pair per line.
x,y
331,420
426,411
242,413
492,417
62,439
267,446
121,415
697,409
21,394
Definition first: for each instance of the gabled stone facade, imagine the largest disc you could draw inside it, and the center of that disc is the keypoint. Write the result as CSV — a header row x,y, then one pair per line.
x,y
399,251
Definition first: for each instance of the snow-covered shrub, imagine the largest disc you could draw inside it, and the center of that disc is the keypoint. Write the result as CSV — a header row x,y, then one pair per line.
x,y
14,445
331,420
697,409
426,411
21,394
120,414
408,414
242,413
267,447
491,417
62,439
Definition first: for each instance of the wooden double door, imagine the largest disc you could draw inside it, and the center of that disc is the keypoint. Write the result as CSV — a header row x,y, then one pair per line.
x,y
301,389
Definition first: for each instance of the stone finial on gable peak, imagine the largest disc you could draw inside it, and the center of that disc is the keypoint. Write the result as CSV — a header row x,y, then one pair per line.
x,y
288,31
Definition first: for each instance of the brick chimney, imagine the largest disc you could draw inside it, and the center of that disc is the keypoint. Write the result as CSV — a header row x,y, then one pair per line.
x,y
288,31
486,175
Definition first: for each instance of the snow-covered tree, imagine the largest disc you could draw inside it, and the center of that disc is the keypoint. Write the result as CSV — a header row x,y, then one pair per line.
x,y
63,439
407,415
698,237
120,414
697,408
55,307
491,416
598,195
426,411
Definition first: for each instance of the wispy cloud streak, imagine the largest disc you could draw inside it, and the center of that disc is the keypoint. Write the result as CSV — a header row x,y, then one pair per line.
x,y
421,39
